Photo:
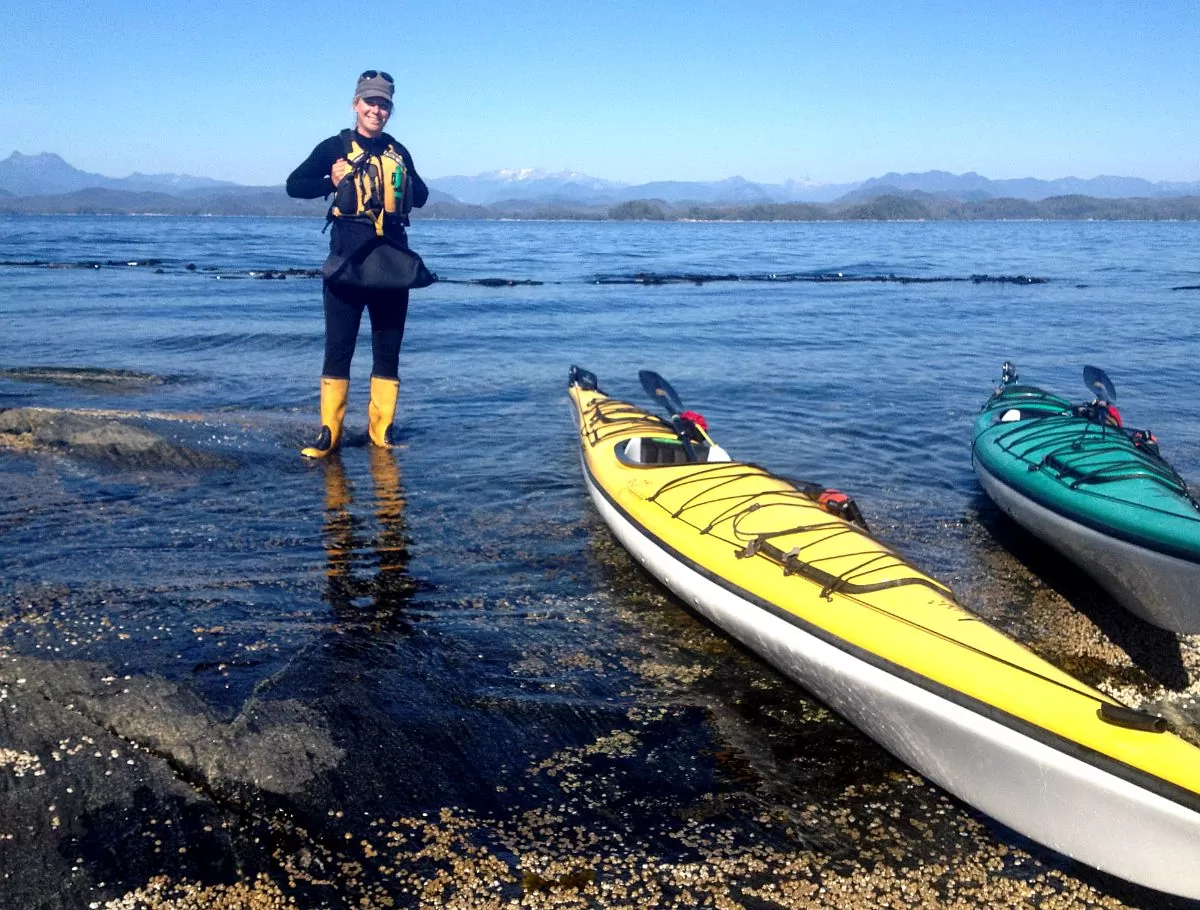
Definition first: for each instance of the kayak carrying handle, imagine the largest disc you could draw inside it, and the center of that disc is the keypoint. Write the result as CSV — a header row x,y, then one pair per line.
x,y
584,379
1131,718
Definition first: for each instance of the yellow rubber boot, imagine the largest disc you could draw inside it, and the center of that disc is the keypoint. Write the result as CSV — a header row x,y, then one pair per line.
x,y
382,410
334,393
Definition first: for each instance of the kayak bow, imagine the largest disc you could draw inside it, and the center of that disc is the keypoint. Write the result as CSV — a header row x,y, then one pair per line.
x,y
774,565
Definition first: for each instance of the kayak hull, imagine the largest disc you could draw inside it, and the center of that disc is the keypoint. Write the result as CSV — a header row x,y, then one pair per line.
x,y
890,650
1156,587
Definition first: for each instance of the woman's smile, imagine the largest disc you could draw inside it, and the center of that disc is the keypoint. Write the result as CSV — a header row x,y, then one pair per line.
x,y
373,114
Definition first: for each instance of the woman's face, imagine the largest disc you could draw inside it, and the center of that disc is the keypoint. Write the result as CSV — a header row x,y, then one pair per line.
x,y
372,114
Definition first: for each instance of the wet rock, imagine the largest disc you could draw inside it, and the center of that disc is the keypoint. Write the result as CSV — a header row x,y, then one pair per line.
x,y
105,776
81,802
276,745
94,436
84,377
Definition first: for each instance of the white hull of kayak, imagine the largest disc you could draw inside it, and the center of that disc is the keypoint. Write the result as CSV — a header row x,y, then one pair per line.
x,y
1040,791
1161,589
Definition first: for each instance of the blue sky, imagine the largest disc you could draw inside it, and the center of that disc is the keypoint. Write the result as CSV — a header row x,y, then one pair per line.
x,y
629,91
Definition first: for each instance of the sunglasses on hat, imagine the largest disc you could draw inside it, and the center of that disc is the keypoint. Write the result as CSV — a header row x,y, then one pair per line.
x,y
371,74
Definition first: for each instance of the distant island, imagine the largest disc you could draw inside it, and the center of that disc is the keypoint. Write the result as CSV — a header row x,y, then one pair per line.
x,y
887,206
45,184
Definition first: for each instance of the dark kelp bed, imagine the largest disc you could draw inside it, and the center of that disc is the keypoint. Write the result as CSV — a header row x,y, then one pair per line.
x,y
337,689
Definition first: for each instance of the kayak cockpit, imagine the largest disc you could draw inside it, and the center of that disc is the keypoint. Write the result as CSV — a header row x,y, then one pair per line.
x,y
653,451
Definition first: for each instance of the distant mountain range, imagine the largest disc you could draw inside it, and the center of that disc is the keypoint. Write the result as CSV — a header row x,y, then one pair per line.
x,y
971,186
46,183
569,186
47,173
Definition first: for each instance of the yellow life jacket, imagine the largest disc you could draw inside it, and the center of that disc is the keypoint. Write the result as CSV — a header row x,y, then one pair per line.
x,y
377,185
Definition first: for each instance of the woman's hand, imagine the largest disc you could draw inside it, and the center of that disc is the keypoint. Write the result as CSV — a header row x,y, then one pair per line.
x,y
340,169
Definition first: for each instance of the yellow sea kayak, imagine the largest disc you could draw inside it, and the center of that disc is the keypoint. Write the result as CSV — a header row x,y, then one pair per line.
x,y
792,573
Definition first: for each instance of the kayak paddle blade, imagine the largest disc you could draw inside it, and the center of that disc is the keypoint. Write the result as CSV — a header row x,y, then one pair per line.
x,y
660,390
1099,384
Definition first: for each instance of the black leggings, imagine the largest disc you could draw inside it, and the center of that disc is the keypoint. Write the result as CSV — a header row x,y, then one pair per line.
x,y
343,313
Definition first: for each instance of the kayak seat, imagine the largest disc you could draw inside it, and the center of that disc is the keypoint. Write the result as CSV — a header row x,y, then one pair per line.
x,y
648,450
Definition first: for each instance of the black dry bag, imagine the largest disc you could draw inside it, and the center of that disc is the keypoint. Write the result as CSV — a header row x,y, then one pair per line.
x,y
380,264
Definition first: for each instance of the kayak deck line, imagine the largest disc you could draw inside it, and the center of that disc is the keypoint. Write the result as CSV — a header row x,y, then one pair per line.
x,y
618,416
1149,544
1077,446
714,485
1099,493
1071,436
752,543
1061,471
1154,582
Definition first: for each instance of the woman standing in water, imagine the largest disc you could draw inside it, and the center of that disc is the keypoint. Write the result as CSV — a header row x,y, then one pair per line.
x,y
375,186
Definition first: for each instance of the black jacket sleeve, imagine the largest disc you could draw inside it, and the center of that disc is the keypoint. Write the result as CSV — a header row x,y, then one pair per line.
x,y
311,178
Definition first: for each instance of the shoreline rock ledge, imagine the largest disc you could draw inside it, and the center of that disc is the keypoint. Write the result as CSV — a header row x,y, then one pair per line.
x,y
95,436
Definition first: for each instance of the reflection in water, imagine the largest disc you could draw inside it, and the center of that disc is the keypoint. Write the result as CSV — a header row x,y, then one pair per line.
x,y
366,554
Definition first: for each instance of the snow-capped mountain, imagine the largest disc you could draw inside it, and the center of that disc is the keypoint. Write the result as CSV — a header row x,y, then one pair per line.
x,y
523,183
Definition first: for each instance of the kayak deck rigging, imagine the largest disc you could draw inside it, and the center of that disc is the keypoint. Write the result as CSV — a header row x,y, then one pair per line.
x,y
1086,455
724,495
706,490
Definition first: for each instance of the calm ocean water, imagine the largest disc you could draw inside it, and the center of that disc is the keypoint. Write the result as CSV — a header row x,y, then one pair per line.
x,y
869,385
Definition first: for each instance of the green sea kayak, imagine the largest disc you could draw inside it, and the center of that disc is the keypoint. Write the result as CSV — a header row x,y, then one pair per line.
x,y
1097,492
